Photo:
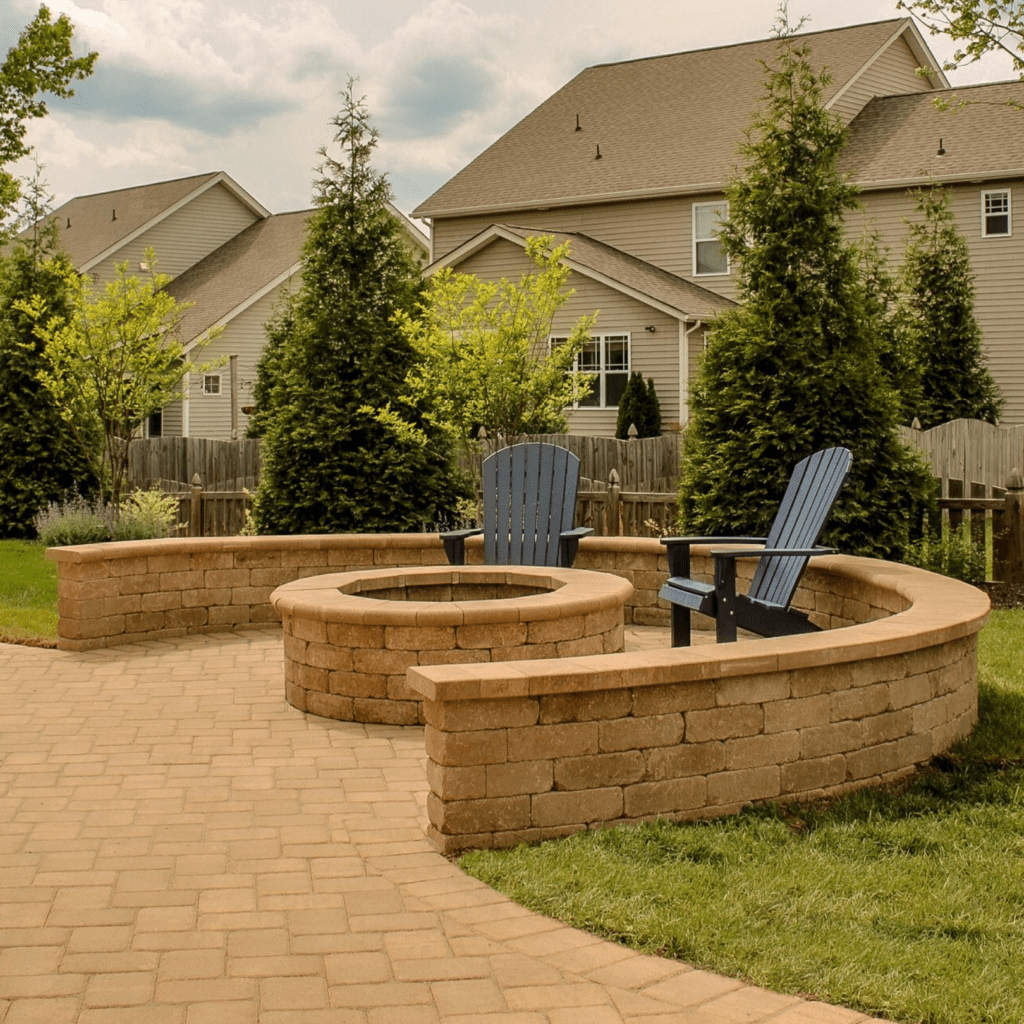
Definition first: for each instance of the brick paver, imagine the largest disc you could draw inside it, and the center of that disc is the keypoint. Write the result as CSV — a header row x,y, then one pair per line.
x,y
179,845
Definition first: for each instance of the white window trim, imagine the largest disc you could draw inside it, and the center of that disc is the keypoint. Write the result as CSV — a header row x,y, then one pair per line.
x,y
599,386
220,389
695,240
1009,213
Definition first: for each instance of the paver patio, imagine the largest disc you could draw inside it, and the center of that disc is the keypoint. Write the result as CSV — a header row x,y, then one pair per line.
x,y
178,845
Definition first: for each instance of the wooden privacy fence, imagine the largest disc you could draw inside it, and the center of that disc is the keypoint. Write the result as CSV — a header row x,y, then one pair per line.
x,y
222,465
969,450
204,513
612,512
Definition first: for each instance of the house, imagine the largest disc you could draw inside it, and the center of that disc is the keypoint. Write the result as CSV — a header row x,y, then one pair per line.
x,y
226,254
628,161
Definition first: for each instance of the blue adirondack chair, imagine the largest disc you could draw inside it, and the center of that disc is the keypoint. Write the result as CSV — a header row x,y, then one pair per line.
x,y
529,493
764,609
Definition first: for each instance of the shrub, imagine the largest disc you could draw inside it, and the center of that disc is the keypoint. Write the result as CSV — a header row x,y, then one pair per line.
x,y
950,552
76,520
639,406
147,514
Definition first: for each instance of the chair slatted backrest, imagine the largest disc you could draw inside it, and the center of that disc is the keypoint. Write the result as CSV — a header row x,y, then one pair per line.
x,y
812,491
529,495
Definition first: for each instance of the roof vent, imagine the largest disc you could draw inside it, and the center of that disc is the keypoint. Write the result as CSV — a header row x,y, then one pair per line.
x,y
113,214
69,222
578,128
942,150
598,157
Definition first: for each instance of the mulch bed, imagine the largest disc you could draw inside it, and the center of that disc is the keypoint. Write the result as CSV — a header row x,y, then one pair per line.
x,y
1004,595
28,641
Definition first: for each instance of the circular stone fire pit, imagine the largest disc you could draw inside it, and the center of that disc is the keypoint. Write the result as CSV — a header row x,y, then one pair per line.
x,y
349,637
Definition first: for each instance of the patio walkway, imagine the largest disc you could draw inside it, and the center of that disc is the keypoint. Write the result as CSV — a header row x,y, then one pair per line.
x,y
180,846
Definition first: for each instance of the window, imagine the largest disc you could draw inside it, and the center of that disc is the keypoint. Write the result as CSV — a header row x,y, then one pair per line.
x,y
211,384
995,213
606,358
708,252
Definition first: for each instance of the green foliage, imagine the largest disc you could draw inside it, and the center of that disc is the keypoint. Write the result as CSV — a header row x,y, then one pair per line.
x,y
41,458
795,367
984,26
327,466
483,357
938,298
951,552
111,360
40,62
270,368
146,514
75,520
639,407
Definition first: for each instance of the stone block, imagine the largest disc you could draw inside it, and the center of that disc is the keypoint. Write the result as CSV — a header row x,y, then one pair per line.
x,y
141,622
672,698
257,559
756,751
586,645
641,733
476,715
668,797
891,725
585,707
144,583
835,738
227,615
358,684
389,663
272,578
872,761
805,777
915,689
553,630
329,705
189,618
399,689
211,560
546,742
82,571
518,777
122,605
294,648
419,638
798,713
458,783
758,689
613,640
603,620
160,601
529,652
597,771
744,786
334,659
500,814
580,807
311,678
862,702
346,634
456,657
687,759
493,634
191,579
385,712
723,723
314,630
203,598
295,695
131,566
812,681
464,749
227,578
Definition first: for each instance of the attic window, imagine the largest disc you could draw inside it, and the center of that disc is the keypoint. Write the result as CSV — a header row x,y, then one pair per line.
x,y
995,213
211,384
709,256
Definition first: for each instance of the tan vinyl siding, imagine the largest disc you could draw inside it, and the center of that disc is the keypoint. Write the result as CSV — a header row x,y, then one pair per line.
x,y
655,354
892,74
171,423
244,336
657,231
185,237
998,265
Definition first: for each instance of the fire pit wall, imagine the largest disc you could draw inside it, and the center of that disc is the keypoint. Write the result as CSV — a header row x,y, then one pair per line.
x,y
535,749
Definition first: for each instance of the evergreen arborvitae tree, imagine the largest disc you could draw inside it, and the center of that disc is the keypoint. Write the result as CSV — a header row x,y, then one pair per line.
x,y
938,291
639,407
794,368
327,466
42,459
270,367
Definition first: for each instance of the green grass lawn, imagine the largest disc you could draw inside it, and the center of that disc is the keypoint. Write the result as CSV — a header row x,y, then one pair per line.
x,y
905,903
28,592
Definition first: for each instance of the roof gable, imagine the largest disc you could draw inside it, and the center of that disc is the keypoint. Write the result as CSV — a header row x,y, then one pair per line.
x,y
658,126
95,227
610,266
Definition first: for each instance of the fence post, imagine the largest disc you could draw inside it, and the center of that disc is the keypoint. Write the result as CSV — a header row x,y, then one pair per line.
x,y
613,527
1014,526
195,514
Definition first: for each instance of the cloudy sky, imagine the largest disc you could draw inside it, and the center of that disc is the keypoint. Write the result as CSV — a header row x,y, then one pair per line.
x,y
250,86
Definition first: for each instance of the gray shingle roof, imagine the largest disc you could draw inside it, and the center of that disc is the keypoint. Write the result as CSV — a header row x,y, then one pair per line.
x,y
895,139
663,124
239,270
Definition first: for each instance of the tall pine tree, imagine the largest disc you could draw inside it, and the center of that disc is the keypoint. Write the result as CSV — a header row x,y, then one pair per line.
x,y
938,305
327,467
795,367
42,459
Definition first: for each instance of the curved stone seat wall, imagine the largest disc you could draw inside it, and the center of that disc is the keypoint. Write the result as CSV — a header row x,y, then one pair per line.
x,y
538,749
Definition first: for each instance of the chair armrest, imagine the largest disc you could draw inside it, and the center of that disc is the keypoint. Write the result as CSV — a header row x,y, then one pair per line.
x,y
678,550
568,543
455,544
771,552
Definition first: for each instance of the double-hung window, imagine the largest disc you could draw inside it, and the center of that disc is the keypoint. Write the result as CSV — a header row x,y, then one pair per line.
x,y
211,384
605,358
995,213
709,256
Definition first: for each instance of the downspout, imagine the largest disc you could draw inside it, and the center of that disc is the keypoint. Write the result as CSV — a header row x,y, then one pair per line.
x,y
184,404
684,369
